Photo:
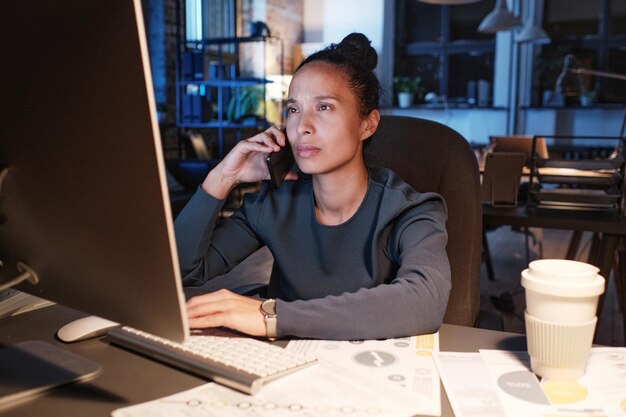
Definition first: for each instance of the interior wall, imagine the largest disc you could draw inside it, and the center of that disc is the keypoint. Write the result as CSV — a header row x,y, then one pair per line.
x,y
313,21
328,21
340,19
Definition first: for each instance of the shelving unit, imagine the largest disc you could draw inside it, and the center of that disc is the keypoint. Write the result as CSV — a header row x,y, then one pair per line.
x,y
211,93
582,179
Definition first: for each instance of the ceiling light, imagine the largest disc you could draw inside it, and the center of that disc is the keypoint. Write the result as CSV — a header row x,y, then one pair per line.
x,y
449,2
531,33
534,34
499,19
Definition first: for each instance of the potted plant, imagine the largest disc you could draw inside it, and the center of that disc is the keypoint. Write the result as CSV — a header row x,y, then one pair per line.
x,y
245,103
408,89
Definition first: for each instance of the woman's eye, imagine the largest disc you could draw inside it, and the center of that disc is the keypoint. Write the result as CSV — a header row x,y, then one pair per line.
x,y
324,107
291,110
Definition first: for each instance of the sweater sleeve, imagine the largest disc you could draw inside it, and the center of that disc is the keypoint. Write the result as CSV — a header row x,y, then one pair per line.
x,y
413,302
208,247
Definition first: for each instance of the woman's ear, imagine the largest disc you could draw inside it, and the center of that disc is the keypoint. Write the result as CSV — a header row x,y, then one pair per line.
x,y
370,124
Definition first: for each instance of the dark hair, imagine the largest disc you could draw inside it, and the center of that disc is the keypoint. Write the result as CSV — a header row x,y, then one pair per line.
x,y
357,59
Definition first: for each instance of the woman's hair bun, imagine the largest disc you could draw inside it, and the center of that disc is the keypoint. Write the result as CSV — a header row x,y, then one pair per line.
x,y
356,58
358,47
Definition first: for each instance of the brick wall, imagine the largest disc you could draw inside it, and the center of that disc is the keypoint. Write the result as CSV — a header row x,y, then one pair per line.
x,y
283,17
285,20
169,132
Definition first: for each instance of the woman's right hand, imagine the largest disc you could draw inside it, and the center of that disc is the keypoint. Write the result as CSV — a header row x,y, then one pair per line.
x,y
244,163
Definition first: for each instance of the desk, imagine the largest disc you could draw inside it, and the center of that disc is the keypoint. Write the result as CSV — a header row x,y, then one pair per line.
x,y
128,378
610,229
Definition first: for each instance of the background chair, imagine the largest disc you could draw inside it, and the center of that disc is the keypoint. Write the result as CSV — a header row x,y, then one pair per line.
x,y
519,143
185,175
501,178
500,188
504,164
199,146
432,157
507,171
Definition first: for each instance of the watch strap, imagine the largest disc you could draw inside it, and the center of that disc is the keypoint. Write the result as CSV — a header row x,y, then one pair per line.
x,y
268,308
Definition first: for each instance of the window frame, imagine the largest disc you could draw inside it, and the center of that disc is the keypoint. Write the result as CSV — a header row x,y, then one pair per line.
x,y
442,48
602,42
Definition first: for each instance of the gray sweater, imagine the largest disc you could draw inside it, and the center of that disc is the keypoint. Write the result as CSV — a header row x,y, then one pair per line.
x,y
383,273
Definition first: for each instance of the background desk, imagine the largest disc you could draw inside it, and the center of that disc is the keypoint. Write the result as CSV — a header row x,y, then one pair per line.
x,y
128,378
609,229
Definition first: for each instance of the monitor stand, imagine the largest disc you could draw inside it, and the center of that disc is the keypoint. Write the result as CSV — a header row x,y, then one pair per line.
x,y
32,367
26,274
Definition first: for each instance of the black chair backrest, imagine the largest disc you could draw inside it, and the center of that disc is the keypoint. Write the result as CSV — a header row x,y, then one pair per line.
x,y
433,157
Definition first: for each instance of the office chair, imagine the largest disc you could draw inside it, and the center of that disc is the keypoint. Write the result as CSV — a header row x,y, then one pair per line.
x,y
432,157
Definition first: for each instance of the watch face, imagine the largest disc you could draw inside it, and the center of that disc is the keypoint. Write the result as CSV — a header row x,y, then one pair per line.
x,y
268,307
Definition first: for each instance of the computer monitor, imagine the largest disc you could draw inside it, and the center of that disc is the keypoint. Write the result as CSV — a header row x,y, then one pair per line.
x,y
83,195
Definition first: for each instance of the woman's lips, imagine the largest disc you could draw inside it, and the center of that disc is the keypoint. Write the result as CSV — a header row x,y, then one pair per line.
x,y
307,151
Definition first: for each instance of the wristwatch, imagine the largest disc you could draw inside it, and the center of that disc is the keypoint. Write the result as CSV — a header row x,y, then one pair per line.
x,y
268,308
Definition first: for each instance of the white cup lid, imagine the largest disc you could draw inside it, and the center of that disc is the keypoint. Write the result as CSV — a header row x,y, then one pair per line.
x,y
563,277
562,269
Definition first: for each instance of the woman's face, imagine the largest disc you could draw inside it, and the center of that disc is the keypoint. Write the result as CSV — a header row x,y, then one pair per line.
x,y
324,126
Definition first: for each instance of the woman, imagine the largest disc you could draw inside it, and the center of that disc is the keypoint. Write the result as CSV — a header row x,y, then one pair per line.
x,y
358,254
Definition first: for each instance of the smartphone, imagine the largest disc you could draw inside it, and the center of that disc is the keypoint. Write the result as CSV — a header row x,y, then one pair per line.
x,y
278,164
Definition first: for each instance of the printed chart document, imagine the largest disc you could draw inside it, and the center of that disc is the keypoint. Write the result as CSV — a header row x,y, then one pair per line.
x,y
500,383
403,368
600,392
400,384
469,387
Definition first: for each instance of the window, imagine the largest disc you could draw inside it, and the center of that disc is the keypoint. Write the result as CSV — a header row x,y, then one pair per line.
x,y
209,19
442,45
595,32
193,20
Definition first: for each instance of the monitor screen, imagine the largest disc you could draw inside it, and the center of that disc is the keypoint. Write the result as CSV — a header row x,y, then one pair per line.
x,y
83,194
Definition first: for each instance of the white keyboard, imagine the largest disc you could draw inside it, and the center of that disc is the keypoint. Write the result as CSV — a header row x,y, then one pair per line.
x,y
242,363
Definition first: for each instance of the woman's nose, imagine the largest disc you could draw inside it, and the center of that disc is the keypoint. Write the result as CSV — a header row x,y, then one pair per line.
x,y
305,125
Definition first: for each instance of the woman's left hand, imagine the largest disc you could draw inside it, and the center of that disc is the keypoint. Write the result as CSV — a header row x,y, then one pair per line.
x,y
227,309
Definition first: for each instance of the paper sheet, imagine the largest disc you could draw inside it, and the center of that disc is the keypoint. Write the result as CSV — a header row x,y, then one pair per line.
x,y
386,378
498,383
469,387
318,391
606,379
403,368
601,392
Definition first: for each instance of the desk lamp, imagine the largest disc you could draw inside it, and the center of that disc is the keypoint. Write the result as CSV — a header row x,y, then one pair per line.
x,y
569,84
572,66
605,74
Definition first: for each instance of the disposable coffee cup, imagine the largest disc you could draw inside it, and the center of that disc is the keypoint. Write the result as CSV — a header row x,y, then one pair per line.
x,y
561,302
